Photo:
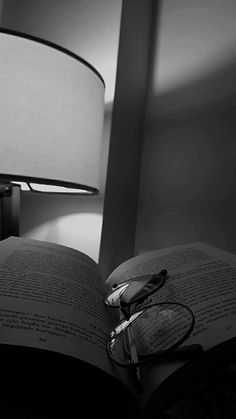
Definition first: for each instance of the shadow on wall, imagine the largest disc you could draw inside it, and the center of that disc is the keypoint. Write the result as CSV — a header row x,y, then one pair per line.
x,y
215,88
188,179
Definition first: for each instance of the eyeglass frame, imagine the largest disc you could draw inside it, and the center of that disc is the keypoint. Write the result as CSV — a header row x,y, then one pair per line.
x,y
158,353
189,349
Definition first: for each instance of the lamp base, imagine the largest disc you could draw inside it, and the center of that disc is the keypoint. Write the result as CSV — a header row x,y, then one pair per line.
x,y
9,209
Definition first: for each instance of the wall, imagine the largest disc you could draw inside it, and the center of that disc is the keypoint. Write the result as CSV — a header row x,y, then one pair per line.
x,y
1,4
187,189
128,123
188,179
91,30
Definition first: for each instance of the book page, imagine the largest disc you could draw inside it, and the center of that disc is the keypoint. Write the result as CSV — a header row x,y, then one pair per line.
x,y
52,297
199,276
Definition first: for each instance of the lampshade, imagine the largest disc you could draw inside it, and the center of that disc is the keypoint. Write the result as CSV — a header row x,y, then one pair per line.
x,y
51,116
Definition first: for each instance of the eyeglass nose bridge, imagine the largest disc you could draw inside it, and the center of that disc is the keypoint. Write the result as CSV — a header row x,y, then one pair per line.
x,y
125,308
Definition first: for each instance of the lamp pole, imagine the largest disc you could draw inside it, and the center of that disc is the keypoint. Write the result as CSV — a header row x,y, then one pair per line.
x,y
9,209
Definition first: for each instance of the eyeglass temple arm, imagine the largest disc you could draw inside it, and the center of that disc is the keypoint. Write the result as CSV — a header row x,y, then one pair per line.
x,y
134,358
187,350
194,348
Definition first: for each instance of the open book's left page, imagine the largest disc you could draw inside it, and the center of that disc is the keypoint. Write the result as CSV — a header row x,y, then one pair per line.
x,y
51,297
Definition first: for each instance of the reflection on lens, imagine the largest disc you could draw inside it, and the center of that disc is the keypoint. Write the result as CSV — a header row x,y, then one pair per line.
x,y
136,289
156,329
113,299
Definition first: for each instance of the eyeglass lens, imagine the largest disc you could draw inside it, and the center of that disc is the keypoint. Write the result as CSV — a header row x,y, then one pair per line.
x,y
136,289
156,329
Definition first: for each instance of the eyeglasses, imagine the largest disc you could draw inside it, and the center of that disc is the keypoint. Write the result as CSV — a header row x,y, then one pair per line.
x,y
147,331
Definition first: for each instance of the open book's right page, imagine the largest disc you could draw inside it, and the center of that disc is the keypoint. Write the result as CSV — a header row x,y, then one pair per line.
x,y
200,276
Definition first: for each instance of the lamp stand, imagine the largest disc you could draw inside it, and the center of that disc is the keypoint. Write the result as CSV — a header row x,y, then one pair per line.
x,y
9,209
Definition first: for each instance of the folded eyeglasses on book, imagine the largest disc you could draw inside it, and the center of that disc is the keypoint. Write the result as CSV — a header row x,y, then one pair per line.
x,y
147,331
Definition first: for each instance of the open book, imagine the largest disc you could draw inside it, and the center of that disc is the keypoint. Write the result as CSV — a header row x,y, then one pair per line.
x,y
54,323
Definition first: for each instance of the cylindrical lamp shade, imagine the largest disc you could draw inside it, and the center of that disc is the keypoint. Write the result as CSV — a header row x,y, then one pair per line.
x,y
51,115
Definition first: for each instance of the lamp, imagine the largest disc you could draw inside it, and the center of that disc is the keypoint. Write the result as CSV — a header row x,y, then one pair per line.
x,y
51,123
